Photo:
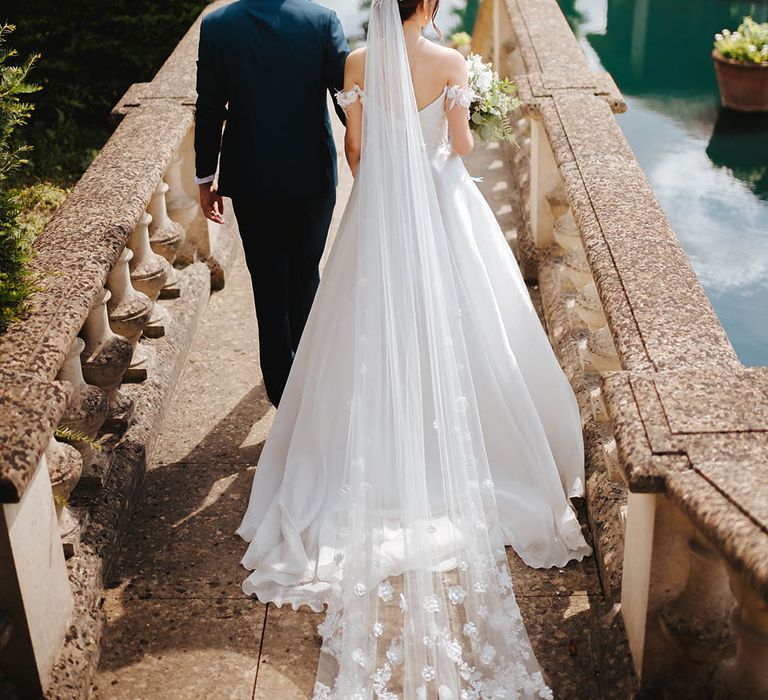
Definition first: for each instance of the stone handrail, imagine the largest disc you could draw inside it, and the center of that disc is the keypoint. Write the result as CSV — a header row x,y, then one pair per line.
x,y
669,412
123,271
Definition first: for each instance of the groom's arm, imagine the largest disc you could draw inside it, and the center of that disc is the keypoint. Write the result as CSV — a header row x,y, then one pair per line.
x,y
336,52
210,110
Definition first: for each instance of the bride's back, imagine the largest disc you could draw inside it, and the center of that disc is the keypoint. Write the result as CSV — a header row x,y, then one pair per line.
x,y
432,68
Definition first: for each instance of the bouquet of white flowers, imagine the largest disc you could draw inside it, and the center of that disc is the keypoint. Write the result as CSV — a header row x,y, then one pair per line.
x,y
492,101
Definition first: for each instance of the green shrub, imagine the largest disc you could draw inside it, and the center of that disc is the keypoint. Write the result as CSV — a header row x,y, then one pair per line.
x,y
91,52
36,206
15,281
748,43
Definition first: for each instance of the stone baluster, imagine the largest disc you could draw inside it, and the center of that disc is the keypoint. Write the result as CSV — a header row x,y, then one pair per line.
x,y
165,237
745,676
184,205
105,359
89,406
149,272
65,467
576,268
697,620
589,307
129,311
545,180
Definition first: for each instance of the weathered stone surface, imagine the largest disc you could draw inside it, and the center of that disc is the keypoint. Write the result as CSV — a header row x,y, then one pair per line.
x,y
30,409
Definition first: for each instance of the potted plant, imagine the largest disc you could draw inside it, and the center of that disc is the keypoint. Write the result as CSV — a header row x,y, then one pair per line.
x,y
741,65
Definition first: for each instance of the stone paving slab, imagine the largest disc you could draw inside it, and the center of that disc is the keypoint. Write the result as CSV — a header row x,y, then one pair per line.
x,y
180,648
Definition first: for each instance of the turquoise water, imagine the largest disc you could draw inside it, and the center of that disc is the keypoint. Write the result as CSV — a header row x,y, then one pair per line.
x,y
707,166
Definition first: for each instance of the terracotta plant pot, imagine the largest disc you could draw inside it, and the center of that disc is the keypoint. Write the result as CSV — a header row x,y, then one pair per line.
x,y
743,85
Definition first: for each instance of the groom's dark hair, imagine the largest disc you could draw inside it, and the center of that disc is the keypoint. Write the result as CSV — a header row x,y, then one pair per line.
x,y
408,9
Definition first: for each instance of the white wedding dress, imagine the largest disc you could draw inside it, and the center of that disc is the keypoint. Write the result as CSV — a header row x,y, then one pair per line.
x,y
426,423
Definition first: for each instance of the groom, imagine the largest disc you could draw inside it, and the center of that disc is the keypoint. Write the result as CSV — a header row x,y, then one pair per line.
x,y
264,67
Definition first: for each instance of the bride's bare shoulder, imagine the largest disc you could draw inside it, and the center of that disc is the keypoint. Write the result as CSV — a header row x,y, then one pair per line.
x,y
354,68
447,60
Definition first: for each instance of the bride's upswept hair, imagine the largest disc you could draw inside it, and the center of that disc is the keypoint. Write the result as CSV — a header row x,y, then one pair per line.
x,y
408,9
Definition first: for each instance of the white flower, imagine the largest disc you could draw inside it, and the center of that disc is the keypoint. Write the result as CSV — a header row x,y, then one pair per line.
x,y
456,594
428,673
382,676
359,588
487,655
395,652
453,651
718,37
359,657
386,592
470,630
378,629
751,48
481,586
432,603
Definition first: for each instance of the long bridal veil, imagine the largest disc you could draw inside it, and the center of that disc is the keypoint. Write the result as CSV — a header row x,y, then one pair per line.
x,y
424,607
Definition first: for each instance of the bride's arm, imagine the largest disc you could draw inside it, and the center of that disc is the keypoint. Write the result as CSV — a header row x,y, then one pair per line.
x,y
354,78
462,140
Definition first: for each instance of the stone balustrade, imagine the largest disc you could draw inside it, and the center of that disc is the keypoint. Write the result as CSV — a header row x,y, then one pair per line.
x,y
123,271
676,429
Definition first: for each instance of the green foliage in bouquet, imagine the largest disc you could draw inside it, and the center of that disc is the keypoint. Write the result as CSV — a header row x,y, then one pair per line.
x,y
16,283
748,43
494,98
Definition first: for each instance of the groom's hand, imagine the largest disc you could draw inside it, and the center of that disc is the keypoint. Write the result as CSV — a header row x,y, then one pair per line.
x,y
212,203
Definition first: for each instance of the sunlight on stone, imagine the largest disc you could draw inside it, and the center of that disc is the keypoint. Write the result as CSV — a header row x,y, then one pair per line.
x,y
578,602
218,488
260,429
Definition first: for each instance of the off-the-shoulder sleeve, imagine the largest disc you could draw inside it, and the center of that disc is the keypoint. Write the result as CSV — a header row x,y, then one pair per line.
x,y
346,98
462,96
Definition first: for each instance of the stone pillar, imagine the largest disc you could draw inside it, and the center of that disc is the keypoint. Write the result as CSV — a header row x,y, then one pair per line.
x,y
662,576
149,273
129,311
35,595
745,676
165,237
105,358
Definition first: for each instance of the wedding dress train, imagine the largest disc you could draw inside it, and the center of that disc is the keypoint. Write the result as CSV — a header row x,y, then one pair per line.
x,y
426,423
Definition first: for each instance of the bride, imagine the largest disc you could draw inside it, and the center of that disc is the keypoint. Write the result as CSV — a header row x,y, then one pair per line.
x,y
426,422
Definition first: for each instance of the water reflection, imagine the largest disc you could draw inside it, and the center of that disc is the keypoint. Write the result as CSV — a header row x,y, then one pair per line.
x,y
707,166
739,144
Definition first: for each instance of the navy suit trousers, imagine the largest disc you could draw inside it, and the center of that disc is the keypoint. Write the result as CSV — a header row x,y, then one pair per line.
x,y
283,241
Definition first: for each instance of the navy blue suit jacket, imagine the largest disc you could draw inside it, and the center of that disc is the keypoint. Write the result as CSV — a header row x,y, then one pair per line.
x,y
264,67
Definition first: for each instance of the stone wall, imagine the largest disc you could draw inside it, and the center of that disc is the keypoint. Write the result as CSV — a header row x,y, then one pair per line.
x,y
124,269
676,429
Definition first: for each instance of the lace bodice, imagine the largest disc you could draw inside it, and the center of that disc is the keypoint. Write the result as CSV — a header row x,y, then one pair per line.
x,y
433,117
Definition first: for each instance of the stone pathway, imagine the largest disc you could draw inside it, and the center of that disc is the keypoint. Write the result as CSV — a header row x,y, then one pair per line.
x,y
179,626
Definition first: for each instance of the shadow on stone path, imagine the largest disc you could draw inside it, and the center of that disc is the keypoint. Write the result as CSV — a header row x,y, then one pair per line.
x,y
178,624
